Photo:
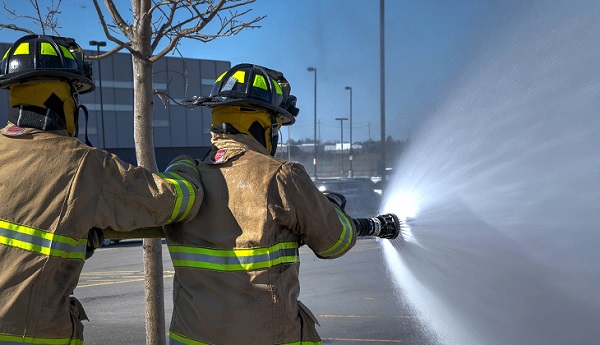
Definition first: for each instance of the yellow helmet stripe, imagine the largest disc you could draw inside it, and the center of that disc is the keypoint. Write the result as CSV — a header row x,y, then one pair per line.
x,y
277,88
47,49
22,49
259,81
220,77
67,53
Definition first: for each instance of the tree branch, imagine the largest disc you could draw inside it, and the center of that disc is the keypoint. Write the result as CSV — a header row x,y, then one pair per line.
x,y
39,15
44,22
125,28
106,54
121,44
176,32
16,28
160,33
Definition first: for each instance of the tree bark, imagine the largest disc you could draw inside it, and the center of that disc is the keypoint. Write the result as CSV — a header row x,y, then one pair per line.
x,y
144,149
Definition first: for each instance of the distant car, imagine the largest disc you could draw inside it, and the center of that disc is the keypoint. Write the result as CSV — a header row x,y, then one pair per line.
x,y
108,241
362,199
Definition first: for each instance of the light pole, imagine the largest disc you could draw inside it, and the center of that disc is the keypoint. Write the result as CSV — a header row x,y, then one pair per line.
x,y
382,83
99,44
314,69
342,119
350,157
288,144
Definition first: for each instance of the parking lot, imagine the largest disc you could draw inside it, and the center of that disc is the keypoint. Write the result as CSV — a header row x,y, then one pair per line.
x,y
352,297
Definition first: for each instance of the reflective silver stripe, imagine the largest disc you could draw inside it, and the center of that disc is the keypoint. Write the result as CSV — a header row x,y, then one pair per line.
x,y
342,244
243,259
185,196
186,163
41,242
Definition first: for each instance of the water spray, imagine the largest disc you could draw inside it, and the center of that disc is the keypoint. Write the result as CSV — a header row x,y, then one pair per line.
x,y
386,226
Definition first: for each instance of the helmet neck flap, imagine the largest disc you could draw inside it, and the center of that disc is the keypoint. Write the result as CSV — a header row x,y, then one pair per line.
x,y
44,105
261,125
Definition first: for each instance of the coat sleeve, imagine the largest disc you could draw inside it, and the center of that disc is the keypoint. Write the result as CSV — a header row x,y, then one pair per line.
x,y
321,224
129,197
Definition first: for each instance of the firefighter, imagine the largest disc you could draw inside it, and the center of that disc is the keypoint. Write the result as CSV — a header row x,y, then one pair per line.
x,y
237,262
56,189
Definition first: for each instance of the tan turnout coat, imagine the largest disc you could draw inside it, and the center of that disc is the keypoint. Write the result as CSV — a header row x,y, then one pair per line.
x,y
54,190
236,263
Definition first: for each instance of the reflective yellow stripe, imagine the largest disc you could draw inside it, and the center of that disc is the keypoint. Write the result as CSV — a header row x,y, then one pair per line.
x,y
16,339
178,339
259,81
242,259
22,49
341,245
41,242
184,199
47,49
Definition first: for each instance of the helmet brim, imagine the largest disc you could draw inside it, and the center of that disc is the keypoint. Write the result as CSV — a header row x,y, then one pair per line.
x,y
82,84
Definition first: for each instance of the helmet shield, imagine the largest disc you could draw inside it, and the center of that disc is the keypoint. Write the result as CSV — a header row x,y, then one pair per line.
x,y
39,57
256,87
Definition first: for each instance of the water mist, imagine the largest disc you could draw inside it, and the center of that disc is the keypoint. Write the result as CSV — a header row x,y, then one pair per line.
x,y
502,184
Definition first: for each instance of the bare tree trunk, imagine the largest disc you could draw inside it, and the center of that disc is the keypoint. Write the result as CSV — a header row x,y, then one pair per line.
x,y
144,148
153,268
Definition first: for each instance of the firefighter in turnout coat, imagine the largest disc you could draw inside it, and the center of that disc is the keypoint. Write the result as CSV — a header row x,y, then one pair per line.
x,y
237,262
56,189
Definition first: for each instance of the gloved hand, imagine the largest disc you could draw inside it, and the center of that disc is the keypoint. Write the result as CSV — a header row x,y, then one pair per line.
x,y
94,240
337,199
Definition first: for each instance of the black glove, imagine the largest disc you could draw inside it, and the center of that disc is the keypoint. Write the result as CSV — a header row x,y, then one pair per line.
x,y
337,199
94,240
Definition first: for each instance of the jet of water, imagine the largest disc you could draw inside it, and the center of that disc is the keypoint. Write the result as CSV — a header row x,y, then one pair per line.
x,y
502,185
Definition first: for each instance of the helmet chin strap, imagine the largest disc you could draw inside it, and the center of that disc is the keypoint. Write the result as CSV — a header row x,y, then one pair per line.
x,y
78,106
274,134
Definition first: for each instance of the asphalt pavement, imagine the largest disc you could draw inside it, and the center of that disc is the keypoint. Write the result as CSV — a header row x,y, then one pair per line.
x,y
352,297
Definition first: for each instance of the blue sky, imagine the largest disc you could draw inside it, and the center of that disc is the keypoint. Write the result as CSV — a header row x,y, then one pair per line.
x,y
428,42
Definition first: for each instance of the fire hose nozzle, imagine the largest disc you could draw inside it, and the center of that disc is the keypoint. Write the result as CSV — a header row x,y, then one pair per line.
x,y
383,226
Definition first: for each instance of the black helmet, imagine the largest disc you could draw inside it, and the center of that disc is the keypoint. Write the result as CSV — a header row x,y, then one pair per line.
x,y
255,87
34,56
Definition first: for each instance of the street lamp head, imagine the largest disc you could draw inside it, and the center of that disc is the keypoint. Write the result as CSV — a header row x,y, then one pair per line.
x,y
310,69
348,87
98,43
